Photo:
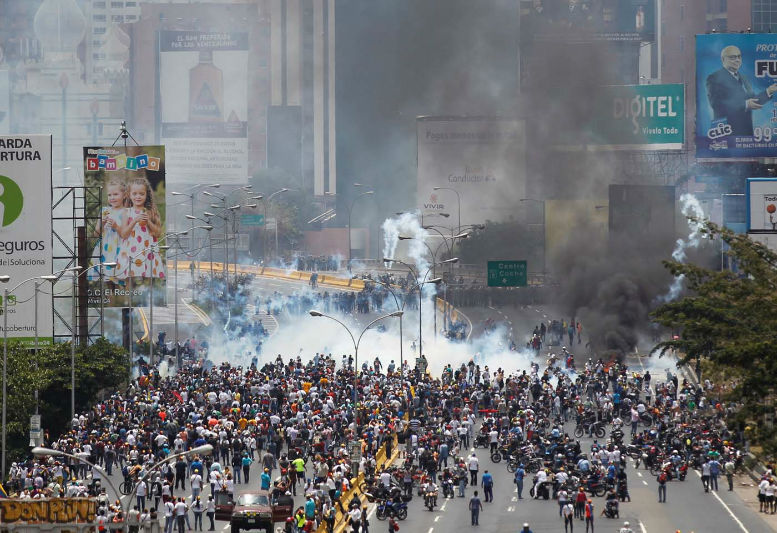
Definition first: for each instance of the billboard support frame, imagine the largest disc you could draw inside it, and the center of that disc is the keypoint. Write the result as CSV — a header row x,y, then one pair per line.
x,y
74,199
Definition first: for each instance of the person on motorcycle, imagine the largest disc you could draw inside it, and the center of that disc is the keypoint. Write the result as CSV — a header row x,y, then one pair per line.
x,y
430,494
584,465
593,479
542,477
611,505
626,528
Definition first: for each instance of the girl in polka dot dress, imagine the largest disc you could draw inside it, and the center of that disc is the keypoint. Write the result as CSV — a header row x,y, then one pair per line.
x,y
140,256
111,220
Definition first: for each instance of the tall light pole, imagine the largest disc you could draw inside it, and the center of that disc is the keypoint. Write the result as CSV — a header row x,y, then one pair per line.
x,y
355,342
6,292
458,198
350,210
420,282
399,308
51,278
175,290
205,449
73,306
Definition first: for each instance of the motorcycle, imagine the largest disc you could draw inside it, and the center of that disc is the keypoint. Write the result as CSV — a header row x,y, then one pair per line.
x,y
481,441
430,500
595,487
447,488
389,508
543,490
611,509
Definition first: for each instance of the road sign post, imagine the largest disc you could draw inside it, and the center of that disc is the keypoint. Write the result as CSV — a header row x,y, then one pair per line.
x,y
507,273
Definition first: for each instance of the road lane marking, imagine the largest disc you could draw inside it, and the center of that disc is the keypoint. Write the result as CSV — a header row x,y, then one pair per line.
x,y
642,527
639,474
514,498
726,507
644,482
511,509
442,508
436,518
431,529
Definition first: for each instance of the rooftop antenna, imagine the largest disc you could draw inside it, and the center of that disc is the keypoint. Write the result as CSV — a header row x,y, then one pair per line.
x,y
124,134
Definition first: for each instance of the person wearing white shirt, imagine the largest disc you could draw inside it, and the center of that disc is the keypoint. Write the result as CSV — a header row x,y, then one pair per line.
x,y
196,481
474,465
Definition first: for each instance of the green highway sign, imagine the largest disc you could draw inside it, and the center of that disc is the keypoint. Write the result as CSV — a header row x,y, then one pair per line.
x,y
507,273
252,220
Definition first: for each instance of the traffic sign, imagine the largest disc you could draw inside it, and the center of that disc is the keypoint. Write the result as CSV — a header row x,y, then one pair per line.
x,y
252,220
507,273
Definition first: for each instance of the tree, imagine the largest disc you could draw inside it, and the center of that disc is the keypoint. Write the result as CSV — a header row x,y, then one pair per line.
x,y
727,317
101,366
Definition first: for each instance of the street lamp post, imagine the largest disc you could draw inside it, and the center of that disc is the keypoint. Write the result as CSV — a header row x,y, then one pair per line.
x,y
6,292
265,202
399,308
350,210
354,341
458,197
420,282
205,449
73,330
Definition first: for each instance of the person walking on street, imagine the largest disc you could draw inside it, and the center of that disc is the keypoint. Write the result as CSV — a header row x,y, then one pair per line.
x,y
714,473
475,506
393,527
487,481
474,466
729,467
589,516
198,509
568,512
580,504
705,476
180,515
662,487
210,510
520,473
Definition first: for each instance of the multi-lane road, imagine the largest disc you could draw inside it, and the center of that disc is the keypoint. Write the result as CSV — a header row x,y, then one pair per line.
x,y
688,507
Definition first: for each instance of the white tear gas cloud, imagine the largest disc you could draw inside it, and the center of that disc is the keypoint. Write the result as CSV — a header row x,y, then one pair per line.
x,y
306,335
692,210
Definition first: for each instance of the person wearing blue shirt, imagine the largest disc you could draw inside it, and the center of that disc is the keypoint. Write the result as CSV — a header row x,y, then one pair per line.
x,y
520,473
310,509
266,480
246,464
487,482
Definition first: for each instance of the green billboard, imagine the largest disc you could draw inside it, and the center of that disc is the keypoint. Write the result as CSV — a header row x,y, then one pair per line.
x,y
634,117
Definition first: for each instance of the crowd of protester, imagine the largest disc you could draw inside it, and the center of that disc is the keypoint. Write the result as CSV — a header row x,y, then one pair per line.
x,y
291,422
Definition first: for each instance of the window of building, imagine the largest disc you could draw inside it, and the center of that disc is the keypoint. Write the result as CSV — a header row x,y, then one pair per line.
x,y
98,30
99,18
130,4
129,18
97,42
117,5
723,6
117,18
682,13
99,5
98,56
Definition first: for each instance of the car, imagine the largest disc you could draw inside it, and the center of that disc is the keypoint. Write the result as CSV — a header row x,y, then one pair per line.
x,y
253,510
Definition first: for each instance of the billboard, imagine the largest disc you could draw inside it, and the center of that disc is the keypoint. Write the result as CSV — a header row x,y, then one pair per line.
x,y
203,91
130,224
735,108
632,117
482,159
25,234
588,20
761,194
